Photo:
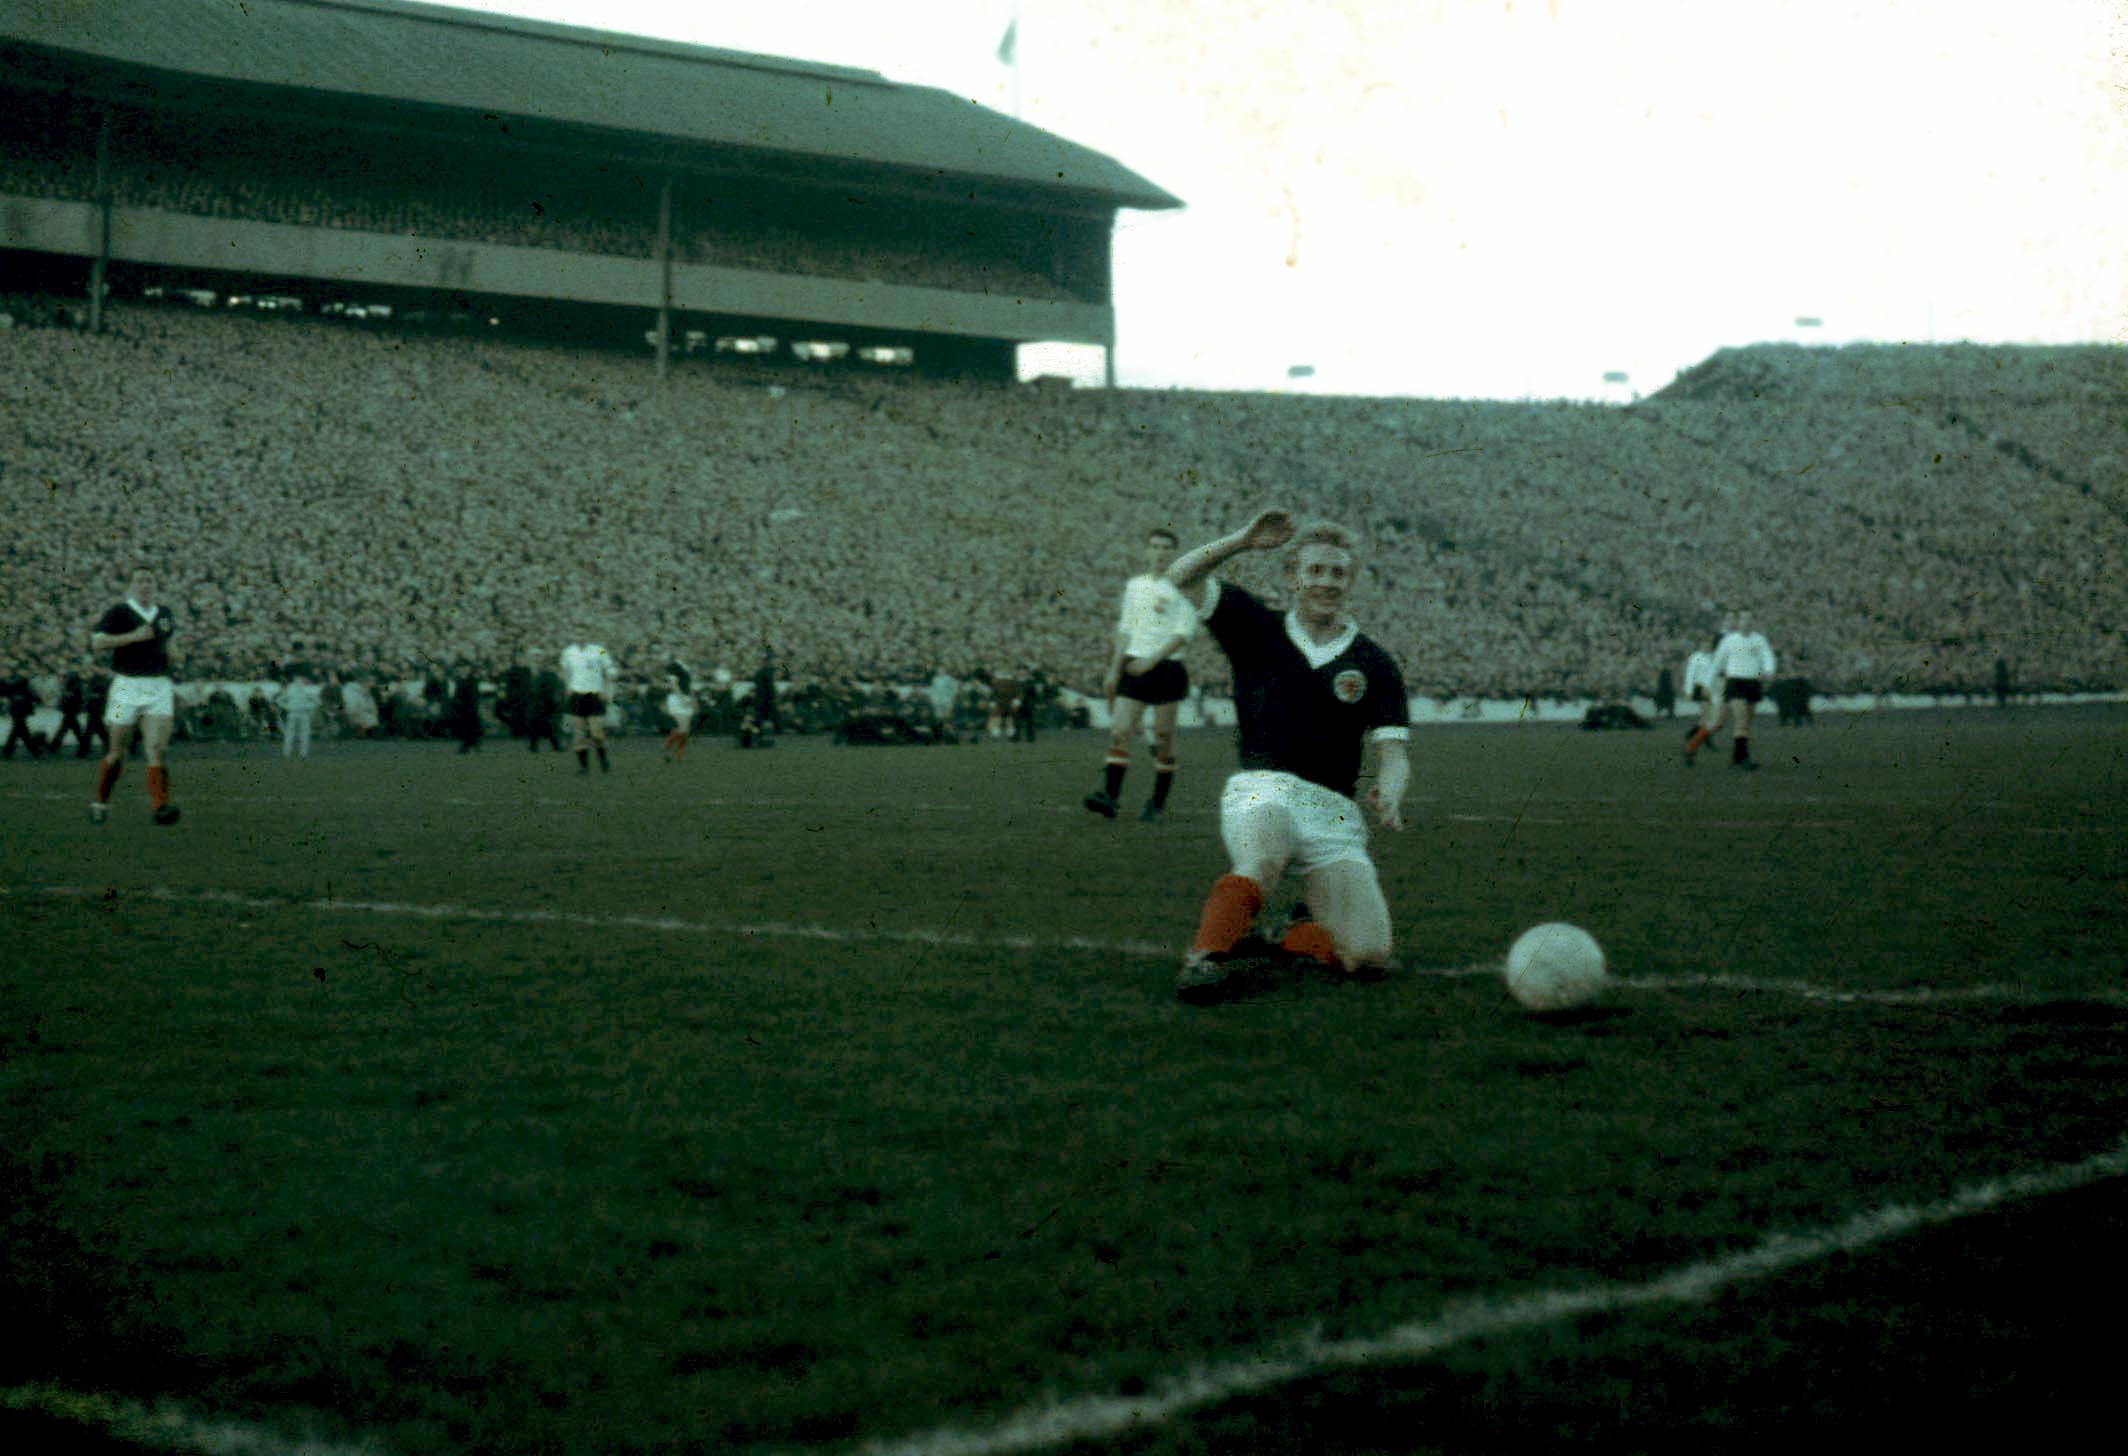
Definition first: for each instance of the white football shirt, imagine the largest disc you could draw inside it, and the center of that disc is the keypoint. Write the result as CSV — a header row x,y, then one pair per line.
x,y
1154,611
1699,671
1743,654
587,668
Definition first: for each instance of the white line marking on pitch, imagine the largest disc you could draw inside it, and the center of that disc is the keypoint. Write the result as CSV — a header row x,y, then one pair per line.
x,y
1180,813
1088,1418
1094,1418
668,923
956,940
167,1426
1911,996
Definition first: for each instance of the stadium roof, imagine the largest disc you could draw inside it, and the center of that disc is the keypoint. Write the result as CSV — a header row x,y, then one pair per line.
x,y
428,57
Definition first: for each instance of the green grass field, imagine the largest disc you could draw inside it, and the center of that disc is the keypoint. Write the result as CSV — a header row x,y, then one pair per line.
x,y
839,1097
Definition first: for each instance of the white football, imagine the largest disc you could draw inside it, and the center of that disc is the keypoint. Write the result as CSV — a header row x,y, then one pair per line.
x,y
1555,968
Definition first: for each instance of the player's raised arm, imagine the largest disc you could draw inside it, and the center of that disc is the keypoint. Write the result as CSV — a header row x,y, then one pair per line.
x,y
1270,530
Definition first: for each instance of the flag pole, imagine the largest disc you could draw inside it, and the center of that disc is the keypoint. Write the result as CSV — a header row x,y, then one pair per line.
x,y
1009,53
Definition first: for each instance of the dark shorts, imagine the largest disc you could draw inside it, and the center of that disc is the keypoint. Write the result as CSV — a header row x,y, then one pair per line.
x,y
1742,690
586,705
1168,682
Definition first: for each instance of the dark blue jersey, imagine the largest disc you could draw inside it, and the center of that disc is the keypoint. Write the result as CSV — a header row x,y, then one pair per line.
x,y
139,659
1292,715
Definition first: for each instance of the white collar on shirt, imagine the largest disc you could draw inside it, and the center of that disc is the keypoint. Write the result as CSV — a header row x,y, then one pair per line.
x,y
1320,654
146,614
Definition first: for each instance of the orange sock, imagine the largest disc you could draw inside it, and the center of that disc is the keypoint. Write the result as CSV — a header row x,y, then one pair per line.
x,y
1310,941
158,785
679,748
107,775
1698,740
1229,911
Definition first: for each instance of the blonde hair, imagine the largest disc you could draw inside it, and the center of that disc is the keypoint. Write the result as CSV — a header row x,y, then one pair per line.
x,y
1321,533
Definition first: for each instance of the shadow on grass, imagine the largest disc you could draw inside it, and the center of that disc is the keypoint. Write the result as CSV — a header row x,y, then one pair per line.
x,y
1581,1017
68,1323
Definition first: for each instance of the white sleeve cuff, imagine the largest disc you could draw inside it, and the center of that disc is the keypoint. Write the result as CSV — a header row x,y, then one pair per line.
x,y
1389,735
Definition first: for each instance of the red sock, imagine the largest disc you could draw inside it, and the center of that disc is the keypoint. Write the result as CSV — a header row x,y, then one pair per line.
x,y
1310,941
1698,740
158,785
107,775
1229,911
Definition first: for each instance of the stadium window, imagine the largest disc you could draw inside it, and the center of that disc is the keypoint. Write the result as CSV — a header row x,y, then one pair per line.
x,y
884,354
758,344
690,341
820,351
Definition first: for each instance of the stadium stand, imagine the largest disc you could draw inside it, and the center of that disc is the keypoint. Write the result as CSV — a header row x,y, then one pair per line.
x,y
385,500
500,467
342,145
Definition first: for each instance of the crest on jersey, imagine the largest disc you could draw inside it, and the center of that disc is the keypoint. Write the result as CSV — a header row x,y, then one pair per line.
x,y
1349,685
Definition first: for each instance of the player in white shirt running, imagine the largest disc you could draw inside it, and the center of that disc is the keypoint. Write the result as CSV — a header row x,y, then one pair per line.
x,y
680,706
1743,669
1146,671
1700,688
588,677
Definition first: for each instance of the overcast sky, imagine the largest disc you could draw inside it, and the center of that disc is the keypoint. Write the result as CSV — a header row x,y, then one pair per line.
x,y
1491,199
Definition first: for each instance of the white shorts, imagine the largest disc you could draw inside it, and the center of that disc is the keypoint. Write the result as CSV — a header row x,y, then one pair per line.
x,y
135,698
1265,814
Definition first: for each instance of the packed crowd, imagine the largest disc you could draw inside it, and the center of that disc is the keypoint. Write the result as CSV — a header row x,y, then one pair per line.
x,y
388,504
49,712
414,186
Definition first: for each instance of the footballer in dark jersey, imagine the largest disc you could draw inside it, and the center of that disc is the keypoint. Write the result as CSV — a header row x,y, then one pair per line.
x,y
142,698
1311,691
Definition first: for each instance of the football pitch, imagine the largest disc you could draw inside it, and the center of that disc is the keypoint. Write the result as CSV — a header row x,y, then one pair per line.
x,y
838,1098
